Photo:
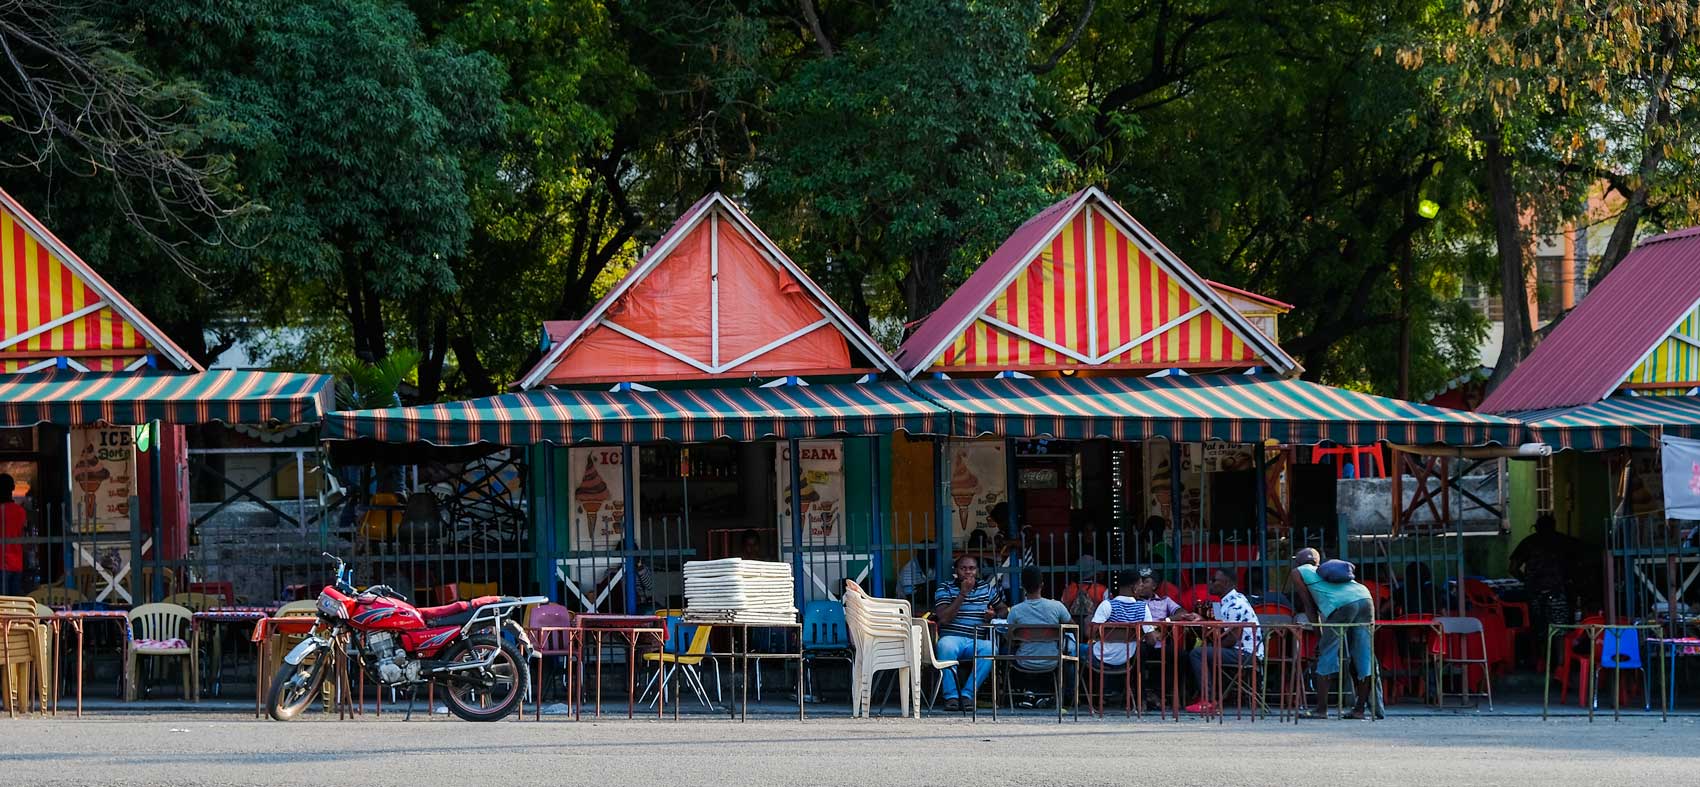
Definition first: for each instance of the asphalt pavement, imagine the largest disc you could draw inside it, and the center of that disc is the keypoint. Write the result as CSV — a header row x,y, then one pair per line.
x,y
203,749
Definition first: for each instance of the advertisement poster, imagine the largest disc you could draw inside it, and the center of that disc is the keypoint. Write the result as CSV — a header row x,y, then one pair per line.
x,y
822,472
597,500
1220,457
1160,481
979,479
102,473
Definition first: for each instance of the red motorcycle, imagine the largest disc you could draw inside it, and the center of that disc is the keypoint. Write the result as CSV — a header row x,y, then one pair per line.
x,y
474,650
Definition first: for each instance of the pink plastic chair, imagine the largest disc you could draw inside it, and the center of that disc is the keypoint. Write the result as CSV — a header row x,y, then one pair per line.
x,y
550,643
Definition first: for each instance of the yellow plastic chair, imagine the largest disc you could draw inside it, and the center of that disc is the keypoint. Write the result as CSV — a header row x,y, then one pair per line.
x,y
287,642
689,662
472,590
27,649
161,631
195,602
57,596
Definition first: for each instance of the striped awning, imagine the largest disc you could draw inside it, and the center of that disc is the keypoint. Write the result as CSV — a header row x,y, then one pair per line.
x,y
689,416
1234,408
1617,422
228,395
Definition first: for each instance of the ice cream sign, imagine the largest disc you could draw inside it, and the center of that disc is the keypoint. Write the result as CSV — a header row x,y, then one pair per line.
x,y
598,500
978,481
102,471
822,492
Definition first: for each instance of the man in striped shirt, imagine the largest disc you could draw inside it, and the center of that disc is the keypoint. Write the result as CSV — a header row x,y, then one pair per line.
x,y
960,608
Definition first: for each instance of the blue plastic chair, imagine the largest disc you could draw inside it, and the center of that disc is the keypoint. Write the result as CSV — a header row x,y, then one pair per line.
x,y
1620,649
826,635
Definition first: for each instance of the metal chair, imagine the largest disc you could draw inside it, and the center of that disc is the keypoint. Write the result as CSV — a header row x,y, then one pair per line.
x,y
1061,636
826,635
685,661
1133,679
1457,633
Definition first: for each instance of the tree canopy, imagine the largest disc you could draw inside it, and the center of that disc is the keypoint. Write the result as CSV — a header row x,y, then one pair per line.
x,y
440,177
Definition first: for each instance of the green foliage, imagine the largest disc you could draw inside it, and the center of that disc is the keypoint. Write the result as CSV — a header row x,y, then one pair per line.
x,y
363,385
916,149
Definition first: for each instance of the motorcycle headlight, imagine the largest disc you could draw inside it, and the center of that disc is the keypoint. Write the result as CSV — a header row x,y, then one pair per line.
x,y
331,607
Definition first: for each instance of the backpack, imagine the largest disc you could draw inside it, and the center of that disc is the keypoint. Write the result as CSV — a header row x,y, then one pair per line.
x,y
1084,604
1337,571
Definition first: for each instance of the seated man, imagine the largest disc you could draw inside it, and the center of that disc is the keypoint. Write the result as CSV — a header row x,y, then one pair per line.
x,y
960,609
1037,611
1120,608
1156,608
1245,648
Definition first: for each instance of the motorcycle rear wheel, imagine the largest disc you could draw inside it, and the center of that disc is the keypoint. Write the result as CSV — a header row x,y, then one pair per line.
x,y
509,675
295,686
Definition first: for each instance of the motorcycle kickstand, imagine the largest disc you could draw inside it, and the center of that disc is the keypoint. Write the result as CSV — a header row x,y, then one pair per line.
x,y
410,695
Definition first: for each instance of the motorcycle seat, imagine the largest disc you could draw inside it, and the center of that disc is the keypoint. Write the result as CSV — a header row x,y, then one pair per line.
x,y
455,614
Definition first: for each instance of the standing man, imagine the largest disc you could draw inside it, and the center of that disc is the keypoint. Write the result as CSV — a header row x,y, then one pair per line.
x,y
1346,605
1246,648
13,524
1545,561
960,609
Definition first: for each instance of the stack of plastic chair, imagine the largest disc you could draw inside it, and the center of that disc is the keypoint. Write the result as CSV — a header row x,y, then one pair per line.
x,y
27,649
1576,657
883,633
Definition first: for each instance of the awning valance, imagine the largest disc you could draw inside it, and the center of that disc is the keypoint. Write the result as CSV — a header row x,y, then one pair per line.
x,y
687,415
227,395
1234,408
1617,422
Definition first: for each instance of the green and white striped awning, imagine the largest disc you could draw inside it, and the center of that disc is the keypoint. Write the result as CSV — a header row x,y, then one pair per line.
x,y
1234,408
1617,422
686,415
227,395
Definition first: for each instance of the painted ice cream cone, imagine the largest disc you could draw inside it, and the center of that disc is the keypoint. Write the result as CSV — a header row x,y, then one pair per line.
x,y
963,487
89,474
592,491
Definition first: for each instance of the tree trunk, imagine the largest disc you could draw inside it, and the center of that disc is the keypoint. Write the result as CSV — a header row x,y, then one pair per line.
x,y
922,289
1513,277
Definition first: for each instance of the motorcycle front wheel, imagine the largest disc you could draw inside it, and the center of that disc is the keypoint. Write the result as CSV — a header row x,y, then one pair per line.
x,y
488,693
294,687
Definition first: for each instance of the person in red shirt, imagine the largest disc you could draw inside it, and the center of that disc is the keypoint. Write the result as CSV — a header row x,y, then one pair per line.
x,y
13,519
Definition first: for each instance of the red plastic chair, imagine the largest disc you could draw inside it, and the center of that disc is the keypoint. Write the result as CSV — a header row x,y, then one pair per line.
x,y
545,624
1272,609
1570,658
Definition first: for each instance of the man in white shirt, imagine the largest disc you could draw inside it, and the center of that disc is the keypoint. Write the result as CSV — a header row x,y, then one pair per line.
x,y
1242,647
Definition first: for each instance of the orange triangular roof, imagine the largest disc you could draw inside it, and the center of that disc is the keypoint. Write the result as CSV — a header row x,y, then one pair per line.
x,y
1082,285
55,311
714,298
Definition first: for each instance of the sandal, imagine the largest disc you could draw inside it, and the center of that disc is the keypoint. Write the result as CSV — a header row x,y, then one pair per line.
x,y
1312,713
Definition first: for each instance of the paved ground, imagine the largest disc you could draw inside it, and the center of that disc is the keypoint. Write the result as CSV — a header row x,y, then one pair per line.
x,y
228,749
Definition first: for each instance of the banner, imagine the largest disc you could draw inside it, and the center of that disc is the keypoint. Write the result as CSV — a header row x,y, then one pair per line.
x,y
1681,459
597,501
822,471
979,479
102,474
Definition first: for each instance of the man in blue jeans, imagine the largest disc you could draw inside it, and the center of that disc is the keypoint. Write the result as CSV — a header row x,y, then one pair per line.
x,y
960,607
1350,609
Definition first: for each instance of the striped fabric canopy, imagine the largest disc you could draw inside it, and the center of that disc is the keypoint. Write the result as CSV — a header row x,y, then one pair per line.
x,y
1235,408
228,395
1616,422
690,415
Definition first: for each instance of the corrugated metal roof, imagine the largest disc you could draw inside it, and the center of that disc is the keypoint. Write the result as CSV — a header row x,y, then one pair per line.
x,y
1588,355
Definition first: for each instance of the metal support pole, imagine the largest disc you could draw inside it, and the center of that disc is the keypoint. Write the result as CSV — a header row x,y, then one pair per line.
x,y
1012,502
628,482
796,468
1260,463
1175,496
942,524
156,511
876,522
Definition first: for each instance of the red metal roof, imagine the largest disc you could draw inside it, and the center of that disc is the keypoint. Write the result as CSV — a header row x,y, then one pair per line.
x,y
1589,354
1256,296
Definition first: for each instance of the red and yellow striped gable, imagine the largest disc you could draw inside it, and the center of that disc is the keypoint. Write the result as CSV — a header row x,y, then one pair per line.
x,y
1093,296
1672,368
56,312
